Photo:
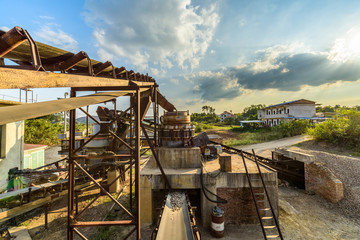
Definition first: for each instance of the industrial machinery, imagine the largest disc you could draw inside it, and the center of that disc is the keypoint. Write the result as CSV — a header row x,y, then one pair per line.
x,y
176,129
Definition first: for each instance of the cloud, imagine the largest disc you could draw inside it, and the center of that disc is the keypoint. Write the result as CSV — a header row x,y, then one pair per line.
x,y
152,32
47,17
347,47
4,28
174,81
57,37
213,86
282,67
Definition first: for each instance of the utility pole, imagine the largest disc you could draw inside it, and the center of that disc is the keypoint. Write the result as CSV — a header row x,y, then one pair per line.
x,y
66,93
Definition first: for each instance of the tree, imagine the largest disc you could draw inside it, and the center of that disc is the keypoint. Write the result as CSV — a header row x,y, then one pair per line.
x,y
207,116
41,131
250,113
208,109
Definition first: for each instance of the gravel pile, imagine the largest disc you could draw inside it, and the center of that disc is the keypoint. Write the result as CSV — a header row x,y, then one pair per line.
x,y
176,200
347,170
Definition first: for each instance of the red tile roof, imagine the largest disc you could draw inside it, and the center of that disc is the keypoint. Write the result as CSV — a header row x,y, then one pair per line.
x,y
32,146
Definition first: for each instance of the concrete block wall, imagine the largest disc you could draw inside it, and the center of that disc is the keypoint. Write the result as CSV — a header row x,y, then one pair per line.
x,y
240,208
228,184
323,181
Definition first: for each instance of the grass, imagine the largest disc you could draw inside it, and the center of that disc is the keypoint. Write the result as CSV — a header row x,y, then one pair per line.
x,y
252,136
200,127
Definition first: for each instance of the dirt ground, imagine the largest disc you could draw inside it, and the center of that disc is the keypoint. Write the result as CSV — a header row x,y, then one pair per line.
x,y
224,134
302,215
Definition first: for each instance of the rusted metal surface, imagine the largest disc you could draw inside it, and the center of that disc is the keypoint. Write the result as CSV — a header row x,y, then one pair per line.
x,y
82,73
70,62
10,40
165,104
35,55
134,153
176,129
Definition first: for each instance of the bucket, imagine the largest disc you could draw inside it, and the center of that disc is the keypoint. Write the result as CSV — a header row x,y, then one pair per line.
x,y
217,222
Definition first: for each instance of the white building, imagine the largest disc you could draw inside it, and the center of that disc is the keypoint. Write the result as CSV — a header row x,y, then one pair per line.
x,y
287,111
11,146
225,115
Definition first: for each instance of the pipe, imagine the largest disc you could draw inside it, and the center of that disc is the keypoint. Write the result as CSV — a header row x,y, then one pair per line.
x,y
11,39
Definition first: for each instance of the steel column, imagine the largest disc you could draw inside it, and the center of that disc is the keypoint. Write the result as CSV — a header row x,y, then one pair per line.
x,y
137,161
155,116
71,172
131,144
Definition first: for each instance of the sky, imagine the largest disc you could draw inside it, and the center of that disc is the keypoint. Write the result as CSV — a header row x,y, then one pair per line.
x,y
221,53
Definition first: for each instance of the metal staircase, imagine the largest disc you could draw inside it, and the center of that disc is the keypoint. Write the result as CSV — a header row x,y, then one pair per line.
x,y
265,212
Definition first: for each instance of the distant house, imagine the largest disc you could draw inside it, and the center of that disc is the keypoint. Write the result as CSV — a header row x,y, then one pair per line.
x,y
299,109
225,115
34,156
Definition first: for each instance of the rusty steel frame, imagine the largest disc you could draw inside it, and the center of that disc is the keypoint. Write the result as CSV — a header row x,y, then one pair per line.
x,y
135,127
82,75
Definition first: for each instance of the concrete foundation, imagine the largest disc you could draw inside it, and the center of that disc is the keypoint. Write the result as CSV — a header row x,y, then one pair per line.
x,y
232,184
177,158
111,176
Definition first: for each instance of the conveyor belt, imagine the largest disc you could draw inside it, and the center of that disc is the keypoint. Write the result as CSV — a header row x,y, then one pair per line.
x,y
176,219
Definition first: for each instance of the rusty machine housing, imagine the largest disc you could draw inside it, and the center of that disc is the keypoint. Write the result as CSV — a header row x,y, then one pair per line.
x,y
176,129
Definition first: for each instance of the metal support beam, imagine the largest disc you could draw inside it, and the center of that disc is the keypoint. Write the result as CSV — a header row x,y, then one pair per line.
x,y
71,172
137,161
72,61
11,39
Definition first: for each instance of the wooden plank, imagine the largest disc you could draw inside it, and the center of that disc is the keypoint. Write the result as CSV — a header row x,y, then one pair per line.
x,y
19,78
6,215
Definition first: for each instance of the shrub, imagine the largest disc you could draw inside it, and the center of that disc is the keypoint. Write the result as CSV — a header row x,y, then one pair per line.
x,y
292,128
344,130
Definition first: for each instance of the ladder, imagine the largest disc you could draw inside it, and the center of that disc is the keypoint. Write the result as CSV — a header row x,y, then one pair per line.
x,y
268,221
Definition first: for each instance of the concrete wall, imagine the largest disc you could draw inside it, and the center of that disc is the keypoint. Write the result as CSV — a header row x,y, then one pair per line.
x,y
302,110
323,181
12,148
280,112
190,179
226,183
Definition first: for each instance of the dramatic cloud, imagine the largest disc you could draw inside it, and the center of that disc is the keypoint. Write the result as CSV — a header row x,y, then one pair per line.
x,y
153,32
55,36
286,68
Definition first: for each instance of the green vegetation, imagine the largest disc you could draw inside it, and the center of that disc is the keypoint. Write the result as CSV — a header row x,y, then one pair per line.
x,y
207,116
45,130
41,131
336,108
251,136
258,135
343,131
200,127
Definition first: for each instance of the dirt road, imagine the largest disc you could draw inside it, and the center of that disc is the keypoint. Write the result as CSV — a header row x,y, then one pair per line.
x,y
266,147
